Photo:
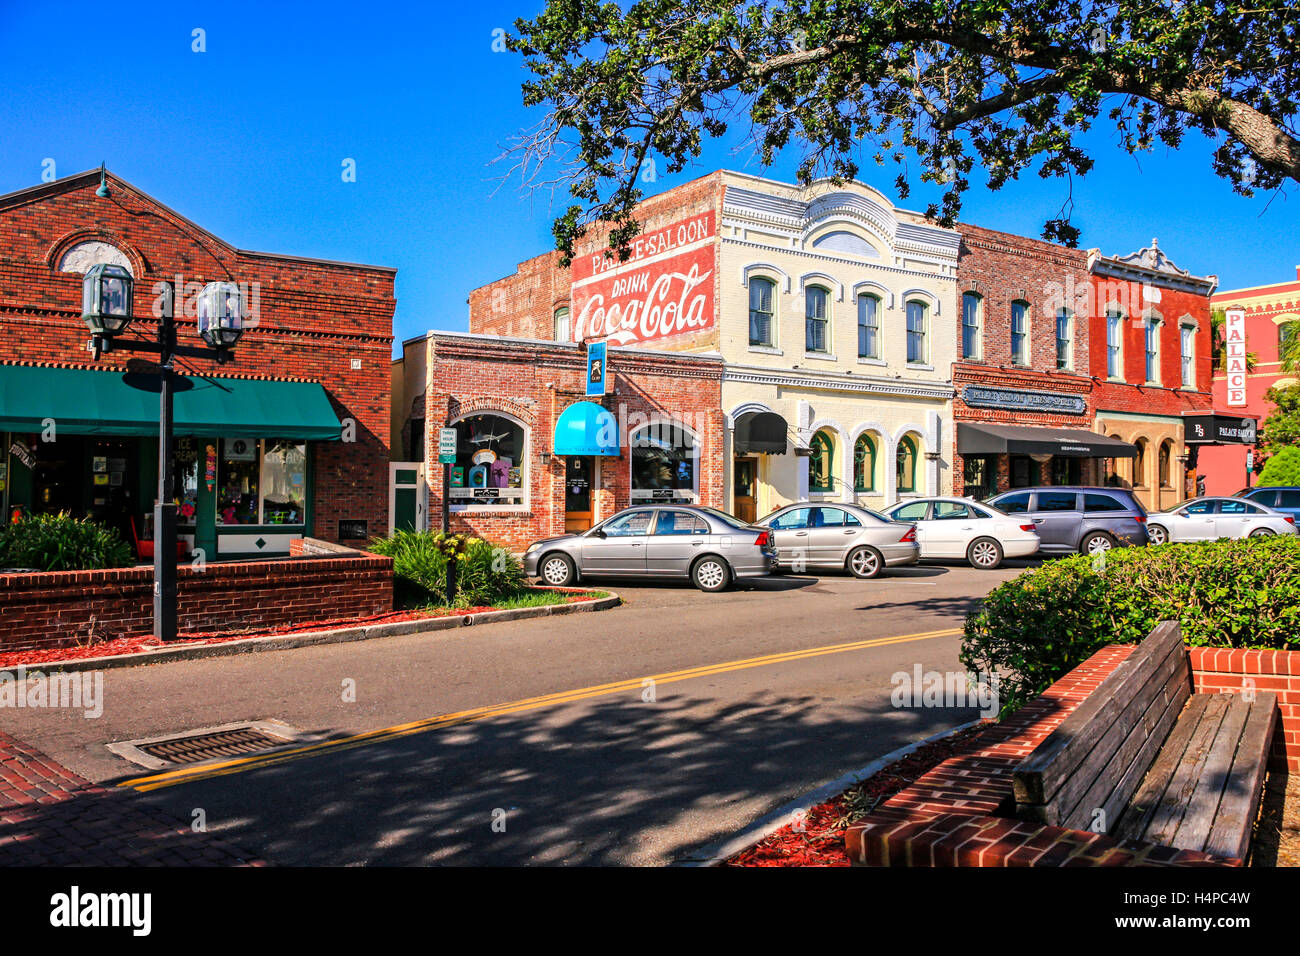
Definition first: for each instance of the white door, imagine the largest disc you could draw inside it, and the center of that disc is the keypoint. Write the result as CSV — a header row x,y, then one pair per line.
x,y
408,497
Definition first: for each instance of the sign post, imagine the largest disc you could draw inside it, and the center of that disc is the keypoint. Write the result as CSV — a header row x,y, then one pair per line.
x,y
446,458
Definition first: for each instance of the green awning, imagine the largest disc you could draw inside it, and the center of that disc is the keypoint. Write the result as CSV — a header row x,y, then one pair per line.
x,y
91,402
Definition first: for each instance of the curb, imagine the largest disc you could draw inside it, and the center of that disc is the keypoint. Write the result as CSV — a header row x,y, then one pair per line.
x,y
282,642
715,853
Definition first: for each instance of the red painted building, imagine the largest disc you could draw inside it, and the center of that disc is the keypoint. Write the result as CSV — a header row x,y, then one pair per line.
x,y
1271,313
289,440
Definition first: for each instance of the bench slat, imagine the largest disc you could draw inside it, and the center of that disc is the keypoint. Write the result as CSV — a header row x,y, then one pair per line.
x,y
1147,796
1215,780
1106,709
1230,834
1177,797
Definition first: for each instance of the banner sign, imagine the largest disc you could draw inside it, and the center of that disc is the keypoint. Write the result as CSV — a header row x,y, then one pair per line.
x,y
1049,403
597,369
664,289
1234,333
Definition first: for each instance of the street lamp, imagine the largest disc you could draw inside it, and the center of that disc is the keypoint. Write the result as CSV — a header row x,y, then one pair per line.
x,y
106,300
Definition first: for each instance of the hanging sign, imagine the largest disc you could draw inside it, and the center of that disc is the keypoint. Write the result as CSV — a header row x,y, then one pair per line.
x,y
597,369
1234,334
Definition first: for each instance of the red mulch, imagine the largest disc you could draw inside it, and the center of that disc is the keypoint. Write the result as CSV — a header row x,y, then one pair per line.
x,y
821,840
135,643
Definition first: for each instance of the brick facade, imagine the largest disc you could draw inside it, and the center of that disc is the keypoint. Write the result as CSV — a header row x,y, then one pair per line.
x,y
317,318
69,608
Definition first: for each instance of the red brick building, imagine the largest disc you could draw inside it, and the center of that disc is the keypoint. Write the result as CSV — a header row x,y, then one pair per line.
x,y
518,407
289,440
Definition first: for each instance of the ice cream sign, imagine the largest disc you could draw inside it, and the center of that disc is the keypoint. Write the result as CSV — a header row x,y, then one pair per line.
x,y
664,289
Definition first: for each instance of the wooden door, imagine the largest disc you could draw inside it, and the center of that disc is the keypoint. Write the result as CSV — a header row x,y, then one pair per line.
x,y
577,493
745,489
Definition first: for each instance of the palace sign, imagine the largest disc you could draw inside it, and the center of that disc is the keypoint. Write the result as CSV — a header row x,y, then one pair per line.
x,y
664,289
1235,336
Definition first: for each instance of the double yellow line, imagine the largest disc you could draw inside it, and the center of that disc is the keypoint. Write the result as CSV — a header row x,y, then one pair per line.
x,y
174,778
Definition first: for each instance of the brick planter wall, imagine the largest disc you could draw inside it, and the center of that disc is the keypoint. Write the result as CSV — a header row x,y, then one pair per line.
x,y
60,609
959,814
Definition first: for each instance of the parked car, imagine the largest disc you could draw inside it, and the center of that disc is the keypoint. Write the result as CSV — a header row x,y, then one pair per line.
x,y
840,536
1207,519
962,528
1074,518
1285,498
709,547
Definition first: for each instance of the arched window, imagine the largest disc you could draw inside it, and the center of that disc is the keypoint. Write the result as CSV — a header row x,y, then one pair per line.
x,y
761,297
970,325
1164,462
1140,464
907,465
1287,343
817,320
491,465
821,463
868,326
665,456
563,328
918,345
864,464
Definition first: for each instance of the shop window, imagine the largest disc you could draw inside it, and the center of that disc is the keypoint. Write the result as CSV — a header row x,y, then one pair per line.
x,y
490,466
665,459
1019,333
868,327
238,477
906,465
978,476
821,462
259,482
761,295
970,325
864,464
816,319
186,458
284,482
917,334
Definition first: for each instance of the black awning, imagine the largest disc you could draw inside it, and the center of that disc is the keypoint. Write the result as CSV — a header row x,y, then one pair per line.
x,y
761,432
1029,440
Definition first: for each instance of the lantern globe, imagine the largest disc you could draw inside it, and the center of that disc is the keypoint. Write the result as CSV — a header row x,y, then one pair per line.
x,y
221,314
106,297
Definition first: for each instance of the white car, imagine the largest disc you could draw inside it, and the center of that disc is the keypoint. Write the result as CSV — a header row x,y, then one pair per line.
x,y
1207,519
962,528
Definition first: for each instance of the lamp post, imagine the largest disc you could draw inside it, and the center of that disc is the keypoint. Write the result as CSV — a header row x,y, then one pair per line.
x,y
106,305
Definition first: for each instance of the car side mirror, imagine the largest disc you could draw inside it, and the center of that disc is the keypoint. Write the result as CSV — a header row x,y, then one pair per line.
x,y
599,533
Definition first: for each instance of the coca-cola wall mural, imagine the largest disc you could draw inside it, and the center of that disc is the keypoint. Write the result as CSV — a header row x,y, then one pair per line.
x,y
664,289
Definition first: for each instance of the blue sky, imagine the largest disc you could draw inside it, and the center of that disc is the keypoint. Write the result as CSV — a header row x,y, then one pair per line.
x,y
248,140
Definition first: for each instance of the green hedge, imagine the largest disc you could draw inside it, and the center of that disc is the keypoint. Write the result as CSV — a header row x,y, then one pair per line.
x,y
485,574
1036,628
60,542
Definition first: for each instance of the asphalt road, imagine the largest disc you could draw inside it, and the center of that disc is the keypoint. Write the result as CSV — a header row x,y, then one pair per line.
x,y
754,702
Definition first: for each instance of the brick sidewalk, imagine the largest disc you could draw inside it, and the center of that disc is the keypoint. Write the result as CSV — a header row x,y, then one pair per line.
x,y
49,816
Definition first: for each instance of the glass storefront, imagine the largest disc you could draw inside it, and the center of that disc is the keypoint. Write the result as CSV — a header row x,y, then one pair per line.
x,y
490,461
664,460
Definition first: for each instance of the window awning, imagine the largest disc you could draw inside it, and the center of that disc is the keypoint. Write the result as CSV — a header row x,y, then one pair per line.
x,y
760,432
991,439
585,428
90,402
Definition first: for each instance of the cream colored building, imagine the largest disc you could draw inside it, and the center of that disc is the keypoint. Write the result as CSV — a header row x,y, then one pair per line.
x,y
837,313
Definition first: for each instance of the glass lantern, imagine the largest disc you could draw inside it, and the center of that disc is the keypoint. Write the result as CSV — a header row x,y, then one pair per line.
x,y
221,314
106,299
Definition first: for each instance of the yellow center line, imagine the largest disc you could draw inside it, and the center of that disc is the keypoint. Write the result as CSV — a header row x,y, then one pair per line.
x,y
173,778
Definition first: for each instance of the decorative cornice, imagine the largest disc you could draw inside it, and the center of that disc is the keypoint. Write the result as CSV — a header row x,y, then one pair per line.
x,y
915,388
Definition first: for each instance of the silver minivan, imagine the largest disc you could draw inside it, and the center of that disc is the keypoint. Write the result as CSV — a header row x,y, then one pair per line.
x,y
709,547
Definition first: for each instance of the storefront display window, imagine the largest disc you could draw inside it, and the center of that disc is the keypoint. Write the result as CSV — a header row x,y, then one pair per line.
x,y
864,464
284,482
906,465
258,482
186,465
664,459
819,463
237,482
490,461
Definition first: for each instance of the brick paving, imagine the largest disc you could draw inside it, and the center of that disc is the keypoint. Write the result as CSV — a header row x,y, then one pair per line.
x,y
49,816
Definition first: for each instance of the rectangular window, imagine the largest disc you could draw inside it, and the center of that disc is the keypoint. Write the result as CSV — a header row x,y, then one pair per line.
x,y
970,326
916,345
284,482
1019,333
1187,339
815,323
262,482
868,327
1153,351
1063,343
760,312
1114,330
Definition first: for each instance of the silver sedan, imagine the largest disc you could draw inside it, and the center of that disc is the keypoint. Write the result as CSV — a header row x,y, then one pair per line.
x,y
840,536
710,548
1207,519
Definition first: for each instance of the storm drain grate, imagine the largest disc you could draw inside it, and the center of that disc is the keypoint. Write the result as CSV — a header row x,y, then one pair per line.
x,y
225,743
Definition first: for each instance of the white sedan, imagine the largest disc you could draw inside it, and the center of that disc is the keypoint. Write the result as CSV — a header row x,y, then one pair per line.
x,y
1207,519
962,528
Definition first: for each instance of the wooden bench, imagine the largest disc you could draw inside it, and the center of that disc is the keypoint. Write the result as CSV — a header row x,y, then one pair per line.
x,y
1145,758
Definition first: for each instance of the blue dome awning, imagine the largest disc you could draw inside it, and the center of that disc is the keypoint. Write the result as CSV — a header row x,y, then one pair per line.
x,y
586,428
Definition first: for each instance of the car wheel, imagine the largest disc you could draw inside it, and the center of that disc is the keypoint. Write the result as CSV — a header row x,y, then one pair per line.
x,y
711,574
984,553
1260,533
1097,543
864,562
1157,534
557,570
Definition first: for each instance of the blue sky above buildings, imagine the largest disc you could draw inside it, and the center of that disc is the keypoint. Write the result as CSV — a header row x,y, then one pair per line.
x,y
248,140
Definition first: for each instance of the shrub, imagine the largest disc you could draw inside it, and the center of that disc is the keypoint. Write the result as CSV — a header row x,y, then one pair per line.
x,y
484,573
1034,629
1282,468
60,542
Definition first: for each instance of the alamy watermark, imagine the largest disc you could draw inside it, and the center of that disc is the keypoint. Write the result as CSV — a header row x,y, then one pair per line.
x,y
77,690
950,689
